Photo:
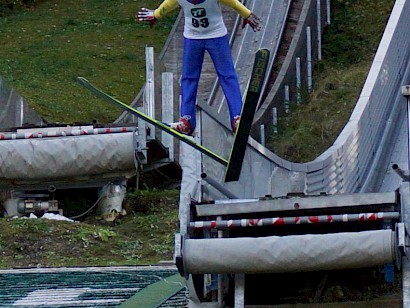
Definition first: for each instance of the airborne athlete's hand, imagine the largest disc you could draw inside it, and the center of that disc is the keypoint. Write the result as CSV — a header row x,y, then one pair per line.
x,y
253,21
146,15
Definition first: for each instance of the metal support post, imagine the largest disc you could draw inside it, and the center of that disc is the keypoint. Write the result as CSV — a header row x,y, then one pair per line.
x,y
149,99
309,58
141,146
275,120
319,29
20,113
405,91
287,99
404,191
220,276
168,110
239,290
263,137
298,81
215,184
328,12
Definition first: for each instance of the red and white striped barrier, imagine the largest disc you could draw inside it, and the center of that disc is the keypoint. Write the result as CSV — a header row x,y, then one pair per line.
x,y
64,133
280,221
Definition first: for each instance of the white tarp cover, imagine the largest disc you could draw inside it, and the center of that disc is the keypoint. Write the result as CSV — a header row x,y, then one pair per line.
x,y
65,158
298,253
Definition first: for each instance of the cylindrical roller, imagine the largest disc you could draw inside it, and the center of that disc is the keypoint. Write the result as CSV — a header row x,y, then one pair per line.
x,y
30,161
287,254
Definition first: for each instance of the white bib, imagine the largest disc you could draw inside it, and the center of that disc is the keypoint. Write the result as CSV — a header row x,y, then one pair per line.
x,y
203,20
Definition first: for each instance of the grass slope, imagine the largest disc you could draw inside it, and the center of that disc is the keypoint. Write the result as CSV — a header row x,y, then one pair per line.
x,y
44,48
349,45
144,236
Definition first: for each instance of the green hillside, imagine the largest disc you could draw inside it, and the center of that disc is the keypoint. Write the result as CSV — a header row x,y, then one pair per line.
x,y
44,47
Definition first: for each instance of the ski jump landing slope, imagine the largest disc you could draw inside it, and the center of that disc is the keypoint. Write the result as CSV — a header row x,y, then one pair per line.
x,y
360,160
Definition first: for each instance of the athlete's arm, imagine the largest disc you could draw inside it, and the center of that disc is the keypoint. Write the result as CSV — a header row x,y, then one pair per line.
x,y
248,17
165,7
238,7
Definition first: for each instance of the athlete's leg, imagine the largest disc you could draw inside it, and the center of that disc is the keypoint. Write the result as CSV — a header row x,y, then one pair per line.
x,y
220,53
192,60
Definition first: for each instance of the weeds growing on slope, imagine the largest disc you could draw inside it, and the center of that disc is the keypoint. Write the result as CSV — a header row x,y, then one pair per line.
x,y
349,45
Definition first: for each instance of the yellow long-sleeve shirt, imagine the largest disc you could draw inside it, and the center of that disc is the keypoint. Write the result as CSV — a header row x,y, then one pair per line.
x,y
170,5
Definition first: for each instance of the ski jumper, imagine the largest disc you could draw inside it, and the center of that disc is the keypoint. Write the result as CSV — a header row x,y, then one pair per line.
x,y
204,30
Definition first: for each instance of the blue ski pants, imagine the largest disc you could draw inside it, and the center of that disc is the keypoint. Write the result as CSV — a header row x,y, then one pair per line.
x,y
193,57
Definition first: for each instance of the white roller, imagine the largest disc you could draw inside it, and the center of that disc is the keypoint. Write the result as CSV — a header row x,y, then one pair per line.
x,y
31,160
298,253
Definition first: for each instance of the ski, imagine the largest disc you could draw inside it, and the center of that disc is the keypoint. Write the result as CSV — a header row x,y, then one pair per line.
x,y
240,142
101,94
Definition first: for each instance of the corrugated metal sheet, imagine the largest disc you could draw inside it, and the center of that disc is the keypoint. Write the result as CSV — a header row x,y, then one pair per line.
x,y
358,161
362,144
